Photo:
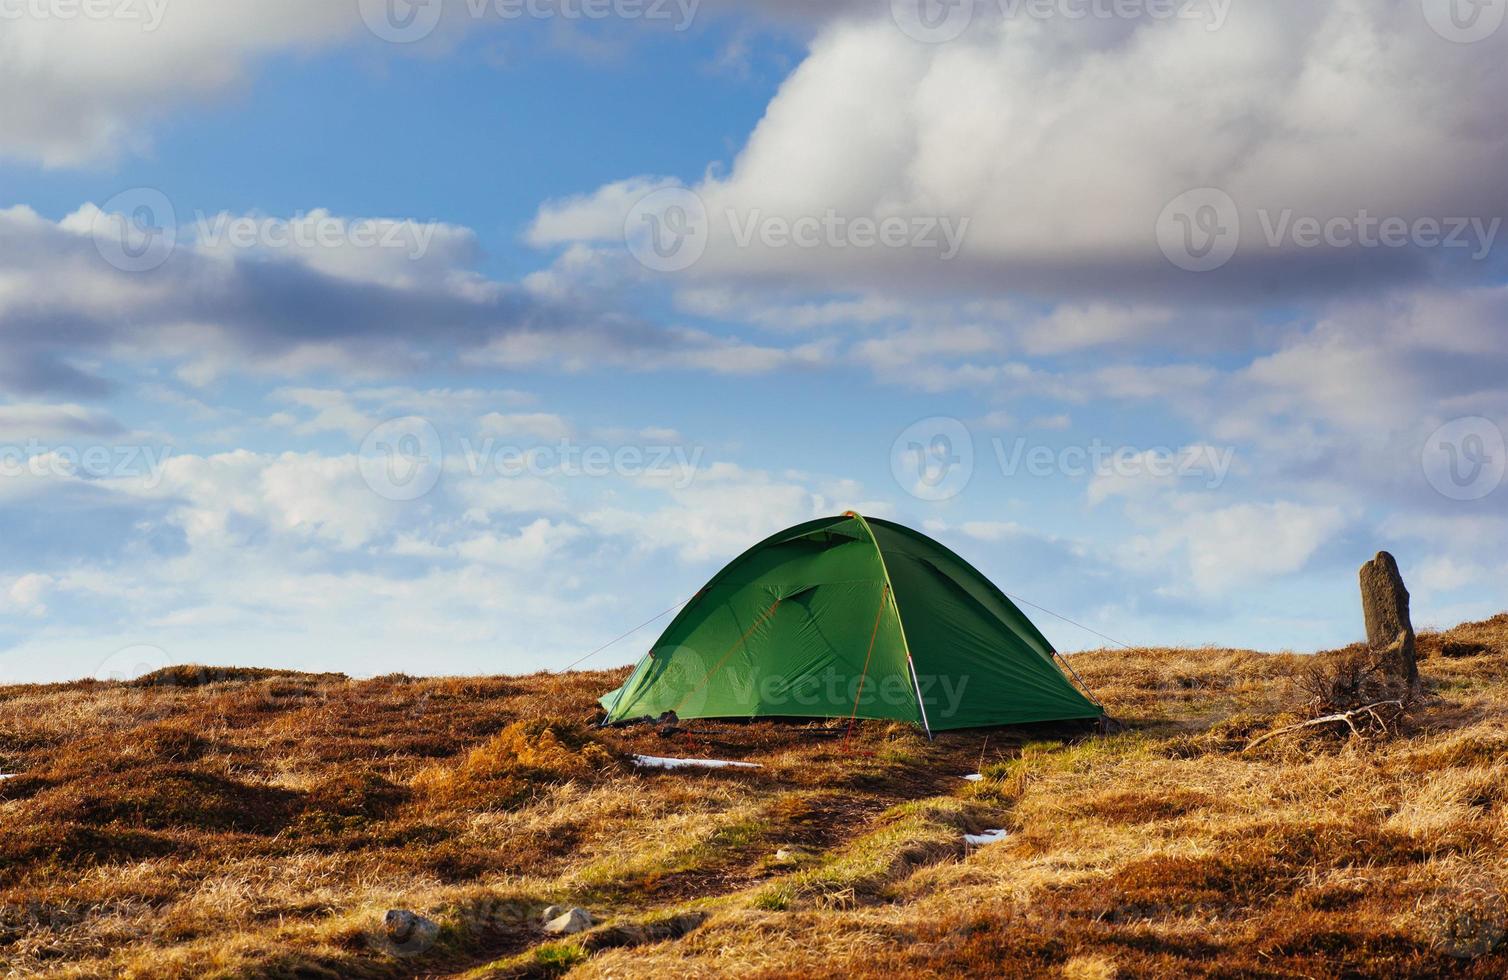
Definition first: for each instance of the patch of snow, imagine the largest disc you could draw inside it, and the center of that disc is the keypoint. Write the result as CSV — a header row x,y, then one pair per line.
x,y
654,762
8,775
988,837
974,778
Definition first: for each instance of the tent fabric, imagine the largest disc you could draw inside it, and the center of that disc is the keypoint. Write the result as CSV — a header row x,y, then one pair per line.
x,y
851,616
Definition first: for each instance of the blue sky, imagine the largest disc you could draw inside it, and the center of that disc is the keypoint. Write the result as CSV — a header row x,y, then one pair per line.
x,y
1167,321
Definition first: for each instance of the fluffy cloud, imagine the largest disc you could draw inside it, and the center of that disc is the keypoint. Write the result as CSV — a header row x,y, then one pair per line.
x,y
1220,549
95,76
90,81
285,557
30,420
1062,141
353,305
725,509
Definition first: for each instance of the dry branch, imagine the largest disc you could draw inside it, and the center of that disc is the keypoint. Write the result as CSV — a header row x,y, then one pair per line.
x,y
1348,718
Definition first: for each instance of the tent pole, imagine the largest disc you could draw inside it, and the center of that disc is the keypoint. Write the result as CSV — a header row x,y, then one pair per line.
x,y
921,705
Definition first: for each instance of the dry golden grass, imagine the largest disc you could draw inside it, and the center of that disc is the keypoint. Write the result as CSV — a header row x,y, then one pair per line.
x,y
259,823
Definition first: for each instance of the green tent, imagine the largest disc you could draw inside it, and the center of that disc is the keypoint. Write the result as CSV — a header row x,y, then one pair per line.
x,y
851,617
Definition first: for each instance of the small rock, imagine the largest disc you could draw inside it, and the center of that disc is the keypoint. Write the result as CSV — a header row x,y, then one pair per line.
x,y
553,912
409,931
573,921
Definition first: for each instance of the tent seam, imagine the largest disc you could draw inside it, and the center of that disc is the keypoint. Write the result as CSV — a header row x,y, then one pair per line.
x,y
899,622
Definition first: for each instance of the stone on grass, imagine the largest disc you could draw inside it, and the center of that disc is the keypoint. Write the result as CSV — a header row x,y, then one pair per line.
x,y
1385,606
408,931
568,922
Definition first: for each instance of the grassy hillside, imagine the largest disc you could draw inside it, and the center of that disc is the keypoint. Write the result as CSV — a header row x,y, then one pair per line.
x,y
231,823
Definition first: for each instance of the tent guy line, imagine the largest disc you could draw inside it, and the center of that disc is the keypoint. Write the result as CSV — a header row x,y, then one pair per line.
x,y
623,636
1070,622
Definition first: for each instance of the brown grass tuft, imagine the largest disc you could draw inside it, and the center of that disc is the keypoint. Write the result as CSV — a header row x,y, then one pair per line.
x,y
512,767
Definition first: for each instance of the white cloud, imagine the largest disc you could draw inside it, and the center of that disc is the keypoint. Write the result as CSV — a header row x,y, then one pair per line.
x,y
27,593
725,510
212,312
1247,544
31,420
595,217
992,531
90,82
1443,573
537,542
543,426
1063,143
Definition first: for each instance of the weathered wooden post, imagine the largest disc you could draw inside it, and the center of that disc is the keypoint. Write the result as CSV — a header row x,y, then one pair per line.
x,y
1385,606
